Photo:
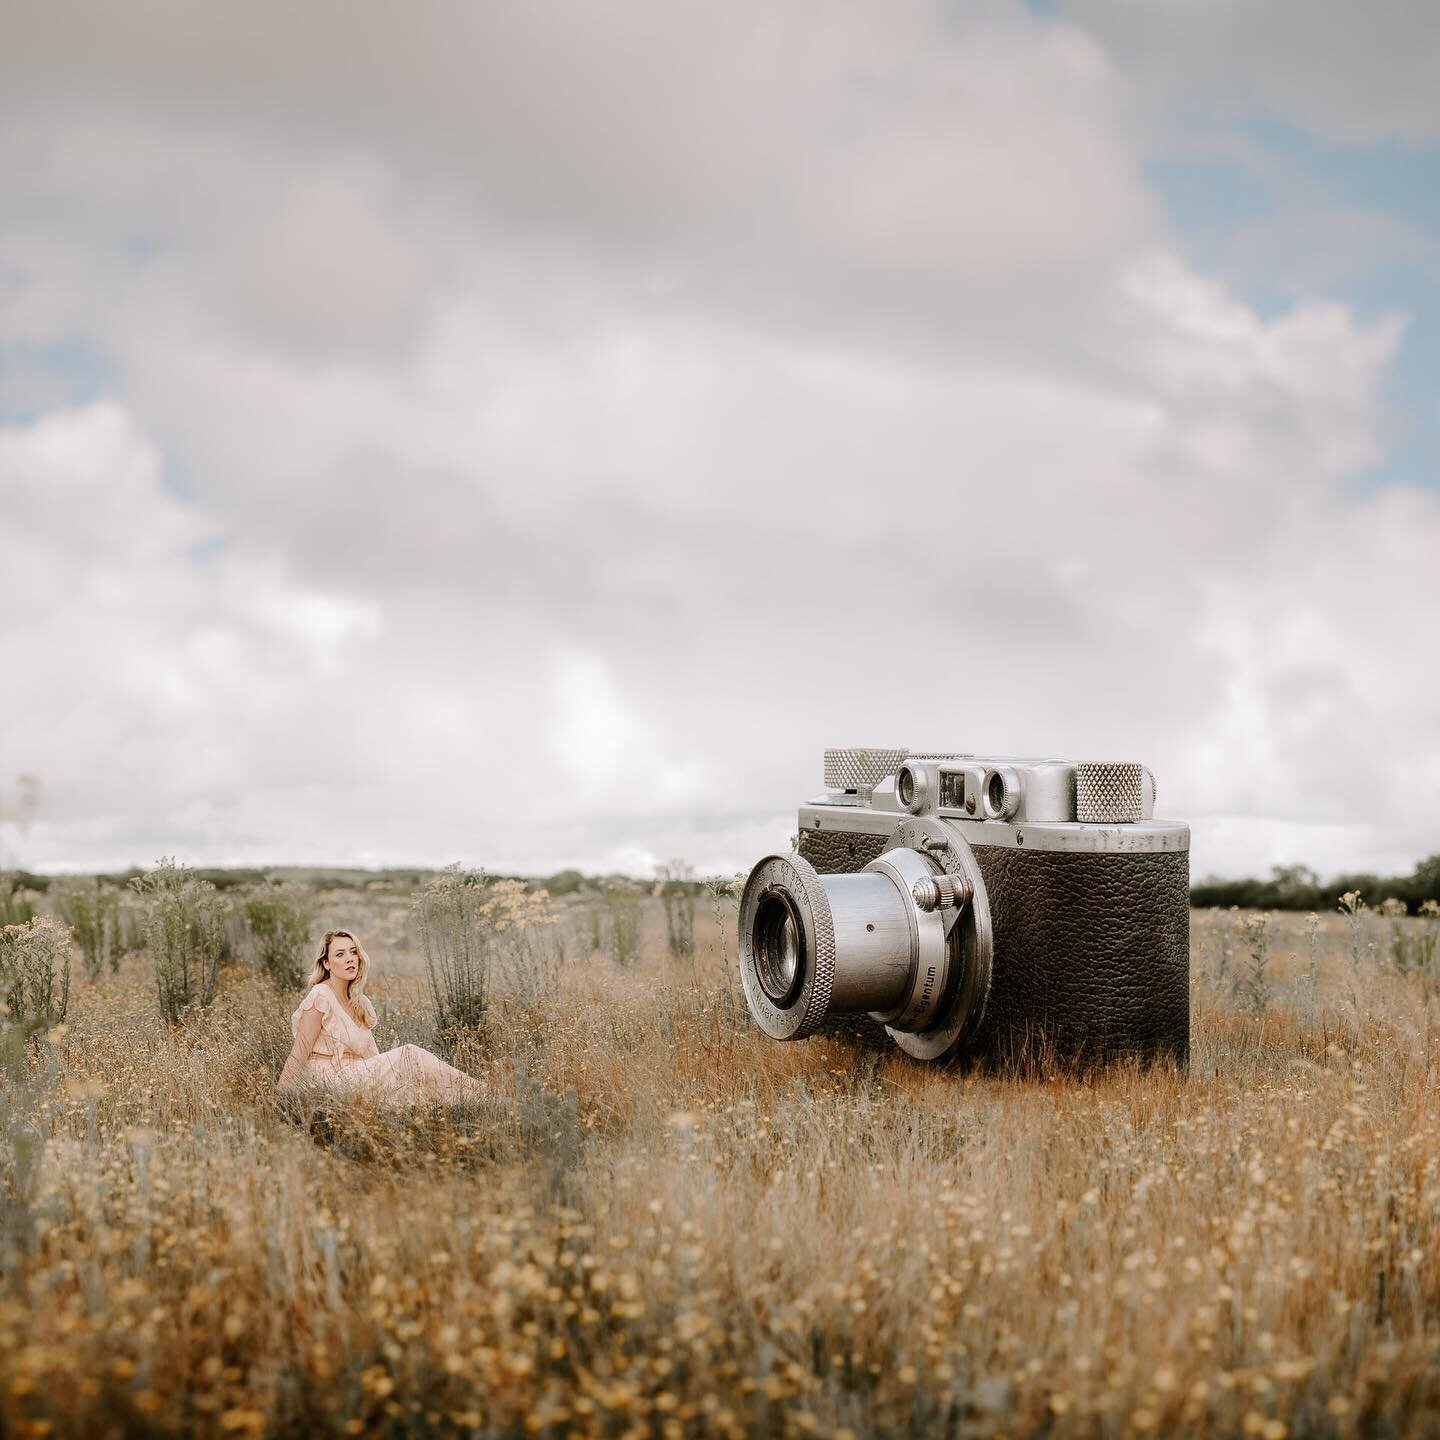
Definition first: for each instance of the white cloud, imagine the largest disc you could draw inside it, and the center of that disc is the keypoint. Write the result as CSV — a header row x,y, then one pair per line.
x,y
559,479
1347,72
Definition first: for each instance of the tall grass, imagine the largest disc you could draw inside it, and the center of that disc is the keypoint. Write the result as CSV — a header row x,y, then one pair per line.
x,y
665,1224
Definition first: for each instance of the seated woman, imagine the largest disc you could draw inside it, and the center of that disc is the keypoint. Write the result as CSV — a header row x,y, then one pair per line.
x,y
335,1046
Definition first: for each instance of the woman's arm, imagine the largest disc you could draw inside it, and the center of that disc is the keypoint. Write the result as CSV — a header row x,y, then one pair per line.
x,y
306,1034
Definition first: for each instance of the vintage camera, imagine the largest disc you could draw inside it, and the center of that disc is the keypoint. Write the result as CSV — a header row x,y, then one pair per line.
x,y
977,907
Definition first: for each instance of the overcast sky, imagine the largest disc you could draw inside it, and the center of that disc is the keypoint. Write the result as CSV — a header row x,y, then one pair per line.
x,y
528,434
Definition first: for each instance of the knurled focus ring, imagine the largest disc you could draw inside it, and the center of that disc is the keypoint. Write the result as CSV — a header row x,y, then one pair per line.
x,y
795,874
817,1004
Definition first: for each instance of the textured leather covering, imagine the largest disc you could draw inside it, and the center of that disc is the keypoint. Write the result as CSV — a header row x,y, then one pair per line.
x,y
840,852
1092,950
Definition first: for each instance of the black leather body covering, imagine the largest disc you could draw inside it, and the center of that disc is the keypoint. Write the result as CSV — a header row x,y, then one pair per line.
x,y
1092,951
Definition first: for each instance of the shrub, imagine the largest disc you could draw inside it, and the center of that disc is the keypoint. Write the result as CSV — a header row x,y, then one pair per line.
x,y
1428,940
92,911
620,921
184,922
473,930
1257,980
677,889
23,1089
528,951
1412,943
35,971
15,904
279,917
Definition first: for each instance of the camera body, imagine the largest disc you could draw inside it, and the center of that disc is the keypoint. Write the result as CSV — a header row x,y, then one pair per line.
x,y
978,907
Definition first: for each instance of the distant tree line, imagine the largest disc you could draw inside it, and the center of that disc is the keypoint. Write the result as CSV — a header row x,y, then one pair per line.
x,y
1290,887
1297,887
563,882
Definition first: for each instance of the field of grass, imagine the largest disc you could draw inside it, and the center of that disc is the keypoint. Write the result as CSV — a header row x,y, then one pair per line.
x,y
666,1224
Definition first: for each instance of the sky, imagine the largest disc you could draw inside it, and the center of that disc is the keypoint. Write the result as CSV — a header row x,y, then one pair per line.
x,y
528,435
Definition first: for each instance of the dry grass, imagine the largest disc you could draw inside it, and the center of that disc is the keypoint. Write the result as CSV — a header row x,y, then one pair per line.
x,y
666,1224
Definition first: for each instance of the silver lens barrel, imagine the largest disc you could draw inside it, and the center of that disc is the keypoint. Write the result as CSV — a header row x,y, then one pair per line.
x,y
879,941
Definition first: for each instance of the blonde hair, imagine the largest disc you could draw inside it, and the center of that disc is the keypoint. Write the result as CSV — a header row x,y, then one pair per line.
x,y
320,972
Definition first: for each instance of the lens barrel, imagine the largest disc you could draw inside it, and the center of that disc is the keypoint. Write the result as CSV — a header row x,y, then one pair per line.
x,y
812,946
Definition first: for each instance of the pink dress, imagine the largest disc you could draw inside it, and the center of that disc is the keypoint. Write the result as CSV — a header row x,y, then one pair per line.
x,y
345,1058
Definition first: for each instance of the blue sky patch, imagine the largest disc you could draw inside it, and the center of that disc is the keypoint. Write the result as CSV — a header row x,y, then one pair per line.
x,y
1285,218
36,378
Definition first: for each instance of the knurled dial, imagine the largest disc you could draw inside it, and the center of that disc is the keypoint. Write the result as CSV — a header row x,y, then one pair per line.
x,y
1111,792
864,769
861,768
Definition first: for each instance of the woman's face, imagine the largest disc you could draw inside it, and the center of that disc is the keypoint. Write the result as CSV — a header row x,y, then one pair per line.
x,y
343,957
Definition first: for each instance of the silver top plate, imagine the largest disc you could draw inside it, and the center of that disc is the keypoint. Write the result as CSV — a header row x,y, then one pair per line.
x,y
1148,836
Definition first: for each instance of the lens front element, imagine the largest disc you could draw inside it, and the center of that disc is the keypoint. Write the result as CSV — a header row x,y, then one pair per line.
x,y
777,948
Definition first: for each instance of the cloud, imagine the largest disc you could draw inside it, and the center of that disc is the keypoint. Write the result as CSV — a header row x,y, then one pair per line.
x,y
1335,69
538,484
943,176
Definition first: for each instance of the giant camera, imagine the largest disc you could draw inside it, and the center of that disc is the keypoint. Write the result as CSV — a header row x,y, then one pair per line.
x,y
977,907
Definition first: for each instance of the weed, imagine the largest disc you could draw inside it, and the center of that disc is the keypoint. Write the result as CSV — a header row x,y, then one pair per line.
x,y
1257,981
279,918
475,930
1354,908
35,971
621,922
16,903
23,1091
676,888
1427,941
92,911
184,923
452,914
1312,946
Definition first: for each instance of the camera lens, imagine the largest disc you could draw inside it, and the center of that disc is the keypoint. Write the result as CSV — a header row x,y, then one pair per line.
x,y
905,787
857,942
813,945
778,949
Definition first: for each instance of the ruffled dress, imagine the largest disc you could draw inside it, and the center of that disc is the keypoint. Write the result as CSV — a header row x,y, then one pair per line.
x,y
346,1059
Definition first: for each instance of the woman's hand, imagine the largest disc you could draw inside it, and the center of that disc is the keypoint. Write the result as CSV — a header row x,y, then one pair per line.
x,y
307,1032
